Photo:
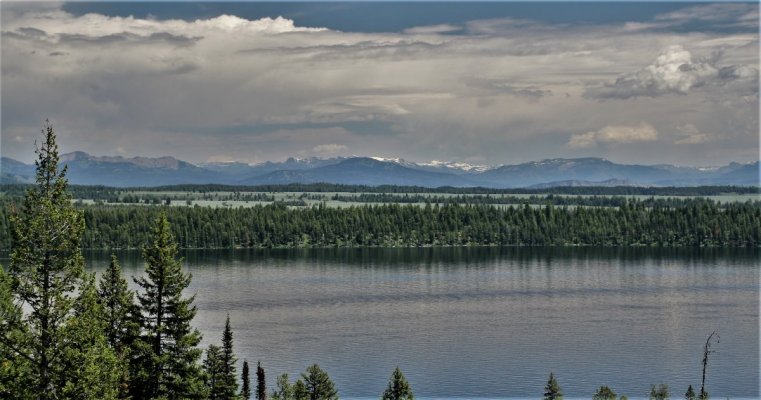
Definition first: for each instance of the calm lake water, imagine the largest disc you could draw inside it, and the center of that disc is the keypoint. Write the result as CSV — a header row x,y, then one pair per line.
x,y
486,322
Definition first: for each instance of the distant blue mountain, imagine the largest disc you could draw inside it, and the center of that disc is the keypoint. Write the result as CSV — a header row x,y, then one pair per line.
x,y
143,171
363,171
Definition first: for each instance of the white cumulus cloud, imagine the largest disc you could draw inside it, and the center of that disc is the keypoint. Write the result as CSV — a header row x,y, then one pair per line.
x,y
673,71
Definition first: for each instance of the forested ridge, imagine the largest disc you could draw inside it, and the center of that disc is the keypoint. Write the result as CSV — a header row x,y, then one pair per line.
x,y
633,223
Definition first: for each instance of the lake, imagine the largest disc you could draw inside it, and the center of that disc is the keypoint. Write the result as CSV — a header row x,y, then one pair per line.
x,y
486,322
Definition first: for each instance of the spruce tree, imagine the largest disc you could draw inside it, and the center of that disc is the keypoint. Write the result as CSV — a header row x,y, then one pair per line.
x,y
315,384
690,394
212,367
261,384
121,319
93,370
169,354
398,387
46,268
283,390
229,380
245,391
660,392
552,389
120,313
15,366
604,393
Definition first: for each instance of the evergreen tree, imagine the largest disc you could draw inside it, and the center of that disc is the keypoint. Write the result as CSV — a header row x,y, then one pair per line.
x,y
299,391
15,365
261,384
93,370
169,356
120,313
604,393
245,391
46,268
120,317
398,387
552,389
213,376
283,390
229,380
660,392
315,384
690,394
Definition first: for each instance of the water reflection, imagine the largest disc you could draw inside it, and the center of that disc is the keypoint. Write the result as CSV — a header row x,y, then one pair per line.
x,y
486,322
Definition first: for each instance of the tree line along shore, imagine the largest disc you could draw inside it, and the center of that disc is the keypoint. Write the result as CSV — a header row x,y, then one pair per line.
x,y
633,223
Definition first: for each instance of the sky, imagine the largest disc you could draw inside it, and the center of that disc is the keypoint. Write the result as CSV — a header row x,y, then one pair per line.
x,y
481,83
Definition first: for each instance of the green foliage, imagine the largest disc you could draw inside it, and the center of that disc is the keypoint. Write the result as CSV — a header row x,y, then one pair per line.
x,y
168,353
120,313
398,387
261,383
690,394
94,371
120,318
604,393
660,392
46,268
552,389
699,224
16,368
219,367
245,390
316,385
283,390
229,380
212,367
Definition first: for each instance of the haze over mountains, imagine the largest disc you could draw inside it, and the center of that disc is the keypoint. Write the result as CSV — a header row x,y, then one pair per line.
x,y
85,169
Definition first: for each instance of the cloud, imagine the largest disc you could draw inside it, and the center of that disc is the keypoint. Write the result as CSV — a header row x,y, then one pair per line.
x,y
614,134
329,149
510,88
689,134
432,29
673,72
500,90
718,15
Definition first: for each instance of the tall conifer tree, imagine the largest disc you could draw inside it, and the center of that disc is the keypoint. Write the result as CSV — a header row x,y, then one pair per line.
x,y
120,313
46,268
212,366
93,370
169,353
229,378
121,319
245,391
261,384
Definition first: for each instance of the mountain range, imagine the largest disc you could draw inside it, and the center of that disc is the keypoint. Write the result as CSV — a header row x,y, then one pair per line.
x,y
86,169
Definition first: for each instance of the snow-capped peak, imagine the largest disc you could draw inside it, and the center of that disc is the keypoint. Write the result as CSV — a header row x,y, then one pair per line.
x,y
457,165
395,160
